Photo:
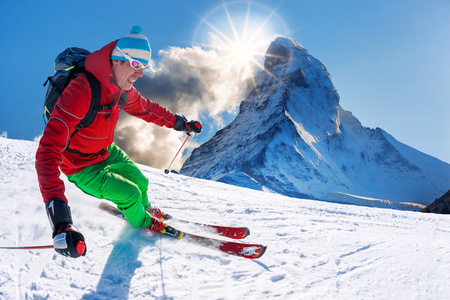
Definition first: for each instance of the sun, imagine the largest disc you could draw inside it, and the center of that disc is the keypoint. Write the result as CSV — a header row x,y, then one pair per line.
x,y
240,32
243,53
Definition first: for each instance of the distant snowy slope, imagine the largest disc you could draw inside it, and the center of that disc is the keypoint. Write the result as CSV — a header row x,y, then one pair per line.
x,y
292,137
316,250
431,166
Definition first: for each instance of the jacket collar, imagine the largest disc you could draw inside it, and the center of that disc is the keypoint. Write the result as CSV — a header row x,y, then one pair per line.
x,y
99,64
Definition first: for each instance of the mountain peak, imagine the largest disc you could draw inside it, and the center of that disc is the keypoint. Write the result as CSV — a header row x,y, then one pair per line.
x,y
280,52
292,137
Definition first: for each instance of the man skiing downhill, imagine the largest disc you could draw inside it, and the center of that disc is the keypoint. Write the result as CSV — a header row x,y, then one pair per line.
x,y
88,155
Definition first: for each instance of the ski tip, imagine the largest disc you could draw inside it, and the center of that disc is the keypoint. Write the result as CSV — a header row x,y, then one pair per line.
x,y
246,234
263,250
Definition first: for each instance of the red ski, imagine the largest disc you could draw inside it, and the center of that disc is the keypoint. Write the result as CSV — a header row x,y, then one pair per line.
x,y
226,231
251,251
236,233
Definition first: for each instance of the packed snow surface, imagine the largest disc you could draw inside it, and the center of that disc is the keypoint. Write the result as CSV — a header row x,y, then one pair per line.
x,y
316,250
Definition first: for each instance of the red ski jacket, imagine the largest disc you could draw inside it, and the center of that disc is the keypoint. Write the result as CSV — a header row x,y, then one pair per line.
x,y
72,106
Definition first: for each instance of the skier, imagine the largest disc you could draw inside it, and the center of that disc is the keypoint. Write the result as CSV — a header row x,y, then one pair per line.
x,y
89,157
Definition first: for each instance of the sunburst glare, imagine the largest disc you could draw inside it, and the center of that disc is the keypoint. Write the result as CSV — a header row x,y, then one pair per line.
x,y
240,32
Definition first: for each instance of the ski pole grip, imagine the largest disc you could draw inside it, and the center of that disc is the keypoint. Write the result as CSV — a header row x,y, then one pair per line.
x,y
81,247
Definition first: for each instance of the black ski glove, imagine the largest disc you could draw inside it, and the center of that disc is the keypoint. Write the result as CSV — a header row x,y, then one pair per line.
x,y
67,239
191,127
69,242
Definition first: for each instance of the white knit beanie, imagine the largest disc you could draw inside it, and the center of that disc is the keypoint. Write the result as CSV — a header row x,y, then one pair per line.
x,y
135,45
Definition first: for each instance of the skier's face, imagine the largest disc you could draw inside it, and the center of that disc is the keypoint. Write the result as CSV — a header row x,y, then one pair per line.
x,y
125,75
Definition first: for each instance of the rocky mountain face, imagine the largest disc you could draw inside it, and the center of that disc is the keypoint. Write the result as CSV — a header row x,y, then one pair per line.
x,y
439,206
292,137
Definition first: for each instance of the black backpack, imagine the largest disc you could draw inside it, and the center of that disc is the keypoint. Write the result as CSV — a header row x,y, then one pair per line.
x,y
68,65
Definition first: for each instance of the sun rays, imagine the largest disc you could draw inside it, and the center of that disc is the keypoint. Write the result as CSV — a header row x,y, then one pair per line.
x,y
240,32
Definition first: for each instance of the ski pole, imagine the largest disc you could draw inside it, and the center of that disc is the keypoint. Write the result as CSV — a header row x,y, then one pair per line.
x,y
28,247
167,170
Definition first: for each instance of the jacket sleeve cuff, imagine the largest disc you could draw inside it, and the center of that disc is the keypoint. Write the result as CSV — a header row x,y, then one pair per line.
x,y
180,123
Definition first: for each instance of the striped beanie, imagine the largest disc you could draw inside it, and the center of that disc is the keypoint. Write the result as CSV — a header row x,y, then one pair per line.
x,y
135,45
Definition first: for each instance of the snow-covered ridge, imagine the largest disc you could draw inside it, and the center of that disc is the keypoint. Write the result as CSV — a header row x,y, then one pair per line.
x,y
316,250
292,137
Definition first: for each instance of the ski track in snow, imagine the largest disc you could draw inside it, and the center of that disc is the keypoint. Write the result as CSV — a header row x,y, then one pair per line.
x,y
316,250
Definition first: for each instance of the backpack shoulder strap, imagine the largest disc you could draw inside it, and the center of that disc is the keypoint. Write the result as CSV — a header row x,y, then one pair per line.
x,y
93,108
95,101
123,99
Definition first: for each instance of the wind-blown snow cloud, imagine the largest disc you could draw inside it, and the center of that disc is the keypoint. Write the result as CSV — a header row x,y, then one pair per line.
x,y
194,82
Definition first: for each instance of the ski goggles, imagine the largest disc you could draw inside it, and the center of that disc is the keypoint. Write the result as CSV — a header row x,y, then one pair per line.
x,y
134,63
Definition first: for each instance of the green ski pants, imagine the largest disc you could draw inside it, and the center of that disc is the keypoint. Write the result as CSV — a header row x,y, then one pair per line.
x,y
119,180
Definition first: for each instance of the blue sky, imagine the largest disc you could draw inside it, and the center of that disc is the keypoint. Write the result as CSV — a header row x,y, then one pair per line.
x,y
389,60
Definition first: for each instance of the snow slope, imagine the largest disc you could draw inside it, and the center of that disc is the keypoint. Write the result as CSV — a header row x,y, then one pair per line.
x,y
316,250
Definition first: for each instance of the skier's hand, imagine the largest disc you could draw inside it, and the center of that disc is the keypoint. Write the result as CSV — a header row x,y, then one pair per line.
x,y
191,127
67,239
69,242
